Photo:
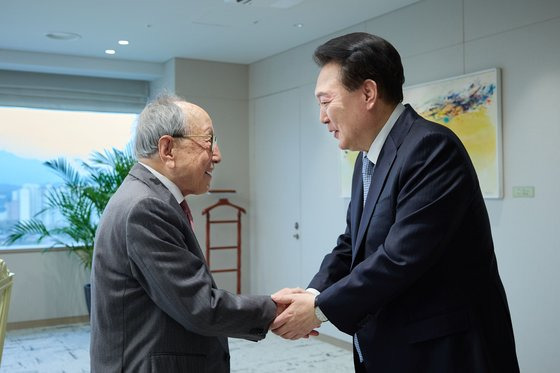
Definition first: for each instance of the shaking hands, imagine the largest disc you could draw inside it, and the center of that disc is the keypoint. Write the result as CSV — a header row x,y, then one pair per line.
x,y
295,317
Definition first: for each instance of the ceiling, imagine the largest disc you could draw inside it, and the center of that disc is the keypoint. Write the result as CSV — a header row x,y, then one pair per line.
x,y
214,30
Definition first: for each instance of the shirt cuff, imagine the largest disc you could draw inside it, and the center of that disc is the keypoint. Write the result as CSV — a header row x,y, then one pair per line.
x,y
313,291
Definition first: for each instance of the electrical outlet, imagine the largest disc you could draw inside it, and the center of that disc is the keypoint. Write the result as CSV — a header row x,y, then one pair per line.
x,y
523,192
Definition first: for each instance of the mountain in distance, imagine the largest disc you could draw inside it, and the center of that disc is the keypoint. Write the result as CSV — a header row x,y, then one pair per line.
x,y
16,170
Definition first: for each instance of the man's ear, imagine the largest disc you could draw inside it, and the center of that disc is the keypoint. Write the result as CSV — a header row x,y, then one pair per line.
x,y
370,93
166,145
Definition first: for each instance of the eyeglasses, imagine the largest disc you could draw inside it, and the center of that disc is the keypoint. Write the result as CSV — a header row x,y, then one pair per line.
x,y
210,138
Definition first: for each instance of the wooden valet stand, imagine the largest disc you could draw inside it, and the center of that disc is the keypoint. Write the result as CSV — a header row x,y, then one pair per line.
x,y
209,223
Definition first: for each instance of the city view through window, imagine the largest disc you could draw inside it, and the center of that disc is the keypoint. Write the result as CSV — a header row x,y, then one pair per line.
x,y
29,137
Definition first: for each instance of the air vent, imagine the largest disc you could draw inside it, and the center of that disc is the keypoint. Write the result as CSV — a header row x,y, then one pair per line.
x,y
266,3
241,2
238,1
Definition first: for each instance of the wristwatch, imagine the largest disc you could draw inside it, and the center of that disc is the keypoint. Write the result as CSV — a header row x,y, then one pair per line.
x,y
319,314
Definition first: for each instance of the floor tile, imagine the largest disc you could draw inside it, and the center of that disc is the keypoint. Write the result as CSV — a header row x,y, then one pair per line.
x,y
65,349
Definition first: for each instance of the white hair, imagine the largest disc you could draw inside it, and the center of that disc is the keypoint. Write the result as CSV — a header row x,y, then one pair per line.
x,y
160,117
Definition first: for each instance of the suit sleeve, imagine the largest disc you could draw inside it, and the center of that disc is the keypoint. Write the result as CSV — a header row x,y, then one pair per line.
x,y
435,187
179,282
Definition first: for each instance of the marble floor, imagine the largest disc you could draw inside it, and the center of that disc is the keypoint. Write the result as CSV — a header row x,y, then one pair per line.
x,y
66,349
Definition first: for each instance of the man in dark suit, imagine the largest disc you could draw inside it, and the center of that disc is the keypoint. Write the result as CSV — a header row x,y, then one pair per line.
x,y
414,278
155,306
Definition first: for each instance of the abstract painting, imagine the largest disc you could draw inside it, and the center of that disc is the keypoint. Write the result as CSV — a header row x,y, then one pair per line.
x,y
469,105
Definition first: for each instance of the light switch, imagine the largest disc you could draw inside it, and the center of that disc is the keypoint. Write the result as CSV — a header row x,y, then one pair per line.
x,y
523,192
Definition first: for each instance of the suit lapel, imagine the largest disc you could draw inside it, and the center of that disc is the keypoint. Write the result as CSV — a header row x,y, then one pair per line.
x,y
143,174
356,203
380,172
378,178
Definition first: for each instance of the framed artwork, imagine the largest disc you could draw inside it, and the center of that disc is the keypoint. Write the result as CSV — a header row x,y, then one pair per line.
x,y
470,106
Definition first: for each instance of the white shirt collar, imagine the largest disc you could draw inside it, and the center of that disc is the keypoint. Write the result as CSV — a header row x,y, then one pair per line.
x,y
379,141
174,189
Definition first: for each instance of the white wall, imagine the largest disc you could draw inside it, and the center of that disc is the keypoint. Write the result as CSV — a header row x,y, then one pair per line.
x,y
439,39
46,285
222,90
165,82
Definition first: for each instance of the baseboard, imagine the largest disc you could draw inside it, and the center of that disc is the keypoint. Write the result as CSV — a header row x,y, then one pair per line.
x,y
47,322
334,341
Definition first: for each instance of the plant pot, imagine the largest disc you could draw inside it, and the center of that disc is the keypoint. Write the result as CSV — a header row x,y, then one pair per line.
x,y
87,292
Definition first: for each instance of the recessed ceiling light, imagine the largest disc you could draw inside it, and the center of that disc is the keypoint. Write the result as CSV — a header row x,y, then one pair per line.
x,y
123,42
63,35
298,25
110,51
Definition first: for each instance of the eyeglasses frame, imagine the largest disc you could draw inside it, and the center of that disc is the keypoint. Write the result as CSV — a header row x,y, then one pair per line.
x,y
212,137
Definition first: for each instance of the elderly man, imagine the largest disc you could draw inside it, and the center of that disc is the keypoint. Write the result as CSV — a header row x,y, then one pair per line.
x,y
155,306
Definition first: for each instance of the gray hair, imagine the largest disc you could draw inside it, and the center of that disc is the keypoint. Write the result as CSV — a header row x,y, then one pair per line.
x,y
160,117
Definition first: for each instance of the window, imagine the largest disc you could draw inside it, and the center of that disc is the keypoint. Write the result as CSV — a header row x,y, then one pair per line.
x,y
29,137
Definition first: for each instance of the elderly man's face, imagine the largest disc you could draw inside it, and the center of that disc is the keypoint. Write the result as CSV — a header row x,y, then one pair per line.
x,y
195,156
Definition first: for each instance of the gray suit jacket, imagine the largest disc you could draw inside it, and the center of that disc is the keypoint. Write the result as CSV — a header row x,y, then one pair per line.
x,y
155,306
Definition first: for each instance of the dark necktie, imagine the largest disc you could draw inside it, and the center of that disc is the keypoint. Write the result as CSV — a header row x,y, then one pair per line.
x,y
367,170
187,212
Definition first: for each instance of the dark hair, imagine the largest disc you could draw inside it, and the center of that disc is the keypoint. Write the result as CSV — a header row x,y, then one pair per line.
x,y
364,56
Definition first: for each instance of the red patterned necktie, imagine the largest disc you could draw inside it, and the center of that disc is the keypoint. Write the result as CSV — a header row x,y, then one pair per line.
x,y
187,212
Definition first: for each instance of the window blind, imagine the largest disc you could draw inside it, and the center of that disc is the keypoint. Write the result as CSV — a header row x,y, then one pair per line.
x,y
68,92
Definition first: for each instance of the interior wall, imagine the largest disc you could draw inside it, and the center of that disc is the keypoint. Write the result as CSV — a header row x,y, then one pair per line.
x,y
46,285
439,39
165,82
222,90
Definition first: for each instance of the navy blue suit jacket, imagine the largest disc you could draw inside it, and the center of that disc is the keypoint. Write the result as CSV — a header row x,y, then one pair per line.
x,y
414,274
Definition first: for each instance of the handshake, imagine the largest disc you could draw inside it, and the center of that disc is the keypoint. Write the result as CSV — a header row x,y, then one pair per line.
x,y
295,314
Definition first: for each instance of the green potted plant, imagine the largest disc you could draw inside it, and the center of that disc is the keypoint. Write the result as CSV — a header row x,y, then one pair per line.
x,y
80,203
